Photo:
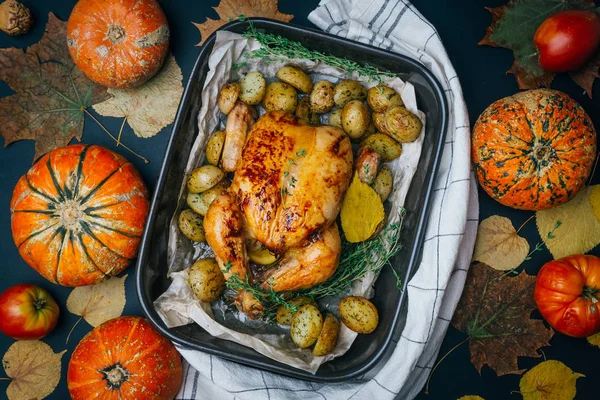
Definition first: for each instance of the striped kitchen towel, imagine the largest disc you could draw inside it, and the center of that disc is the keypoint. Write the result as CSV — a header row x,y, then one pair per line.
x,y
435,289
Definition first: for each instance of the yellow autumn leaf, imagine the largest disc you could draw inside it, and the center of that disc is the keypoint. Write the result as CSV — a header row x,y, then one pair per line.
x,y
499,245
150,107
549,380
595,201
471,398
594,339
362,211
570,228
98,303
33,368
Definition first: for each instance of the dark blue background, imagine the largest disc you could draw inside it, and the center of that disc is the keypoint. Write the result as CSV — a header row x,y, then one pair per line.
x,y
481,70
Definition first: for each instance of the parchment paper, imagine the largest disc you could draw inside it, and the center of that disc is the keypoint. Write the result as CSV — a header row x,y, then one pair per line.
x,y
178,305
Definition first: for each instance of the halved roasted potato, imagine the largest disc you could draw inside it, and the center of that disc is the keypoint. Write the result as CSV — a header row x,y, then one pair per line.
x,y
206,279
199,202
296,77
402,125
384,145
328,337
384,183
355,119
382,97
335,118
191,225
379,122
285,314
228,96
304,112
262,256
306,325
280,97
214,147
359,314
348,90
253,87
204,178
367,164
321,97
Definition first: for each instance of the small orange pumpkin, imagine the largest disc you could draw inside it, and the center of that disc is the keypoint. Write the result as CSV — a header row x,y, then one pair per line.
x,y
533,150
118,43
78,215
124,358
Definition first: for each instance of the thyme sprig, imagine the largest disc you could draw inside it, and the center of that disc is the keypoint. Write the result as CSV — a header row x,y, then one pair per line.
x,y
275,47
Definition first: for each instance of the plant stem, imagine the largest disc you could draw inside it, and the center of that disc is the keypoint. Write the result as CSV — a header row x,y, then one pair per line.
x,y
437,364
121,131
71,331
5,379
524,223
593,170
114,138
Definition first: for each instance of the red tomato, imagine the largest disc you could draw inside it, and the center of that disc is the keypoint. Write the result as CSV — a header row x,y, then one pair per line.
x,y
567,40
567,292
27,312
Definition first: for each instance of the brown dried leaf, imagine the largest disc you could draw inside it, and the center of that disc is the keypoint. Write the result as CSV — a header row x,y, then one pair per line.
x,y
586,76
150,107
98,303
497,14
51,92
231,9
527,81
34,370
495,312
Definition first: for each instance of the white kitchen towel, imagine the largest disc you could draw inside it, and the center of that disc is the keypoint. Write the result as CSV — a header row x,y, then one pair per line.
x,y
435,289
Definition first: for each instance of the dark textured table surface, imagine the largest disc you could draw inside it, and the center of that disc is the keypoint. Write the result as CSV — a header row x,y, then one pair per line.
x,y
481,70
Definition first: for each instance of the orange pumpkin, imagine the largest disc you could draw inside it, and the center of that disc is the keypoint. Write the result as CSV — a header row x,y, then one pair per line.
x,y
124,358
533,150
78,215
118,43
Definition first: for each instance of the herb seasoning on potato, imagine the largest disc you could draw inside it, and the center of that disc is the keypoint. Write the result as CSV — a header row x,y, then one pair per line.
x,y
348,90
280,97
252,88
402,125
359,314
382,97
190,224
296,77
206,279
321,98
306,326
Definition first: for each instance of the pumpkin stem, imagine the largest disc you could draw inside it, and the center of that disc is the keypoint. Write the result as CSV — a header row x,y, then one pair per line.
x,y
115,375
116,34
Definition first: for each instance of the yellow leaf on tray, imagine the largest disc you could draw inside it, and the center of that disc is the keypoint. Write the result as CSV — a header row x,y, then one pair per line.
x,y
362,211
595,200
498,244
549,380
570,228
150,107
232,9
98,303
34,369
594,339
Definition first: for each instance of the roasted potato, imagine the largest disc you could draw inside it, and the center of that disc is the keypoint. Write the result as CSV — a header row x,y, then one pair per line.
x,y
252,88
262,256
335,118
359,314
384,145
206,279
328,337
379,122
355,119
190,224
284,314
228,96
321,98
280,97
296,77
304,112
384,183
402,125
382,97
214,147
203,178
306,325
199,202
366,165
348,90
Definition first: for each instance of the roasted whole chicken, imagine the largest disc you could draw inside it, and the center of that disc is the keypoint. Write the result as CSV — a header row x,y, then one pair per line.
x,y
287,190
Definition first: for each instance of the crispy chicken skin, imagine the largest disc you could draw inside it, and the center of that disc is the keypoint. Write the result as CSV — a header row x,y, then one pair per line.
x,y
286,193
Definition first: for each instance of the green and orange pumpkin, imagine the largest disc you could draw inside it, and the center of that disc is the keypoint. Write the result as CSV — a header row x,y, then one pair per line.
x,y
78,214
534,150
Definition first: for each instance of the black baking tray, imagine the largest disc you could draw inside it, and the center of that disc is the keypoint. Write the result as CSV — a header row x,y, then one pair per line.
x,y
368,351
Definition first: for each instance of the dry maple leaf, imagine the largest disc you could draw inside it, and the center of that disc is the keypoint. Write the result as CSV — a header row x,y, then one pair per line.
x,y
34,369
498,244
513,27
494,311
549,380
594,339
150,107
578,231
98,303
231,9
51,92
